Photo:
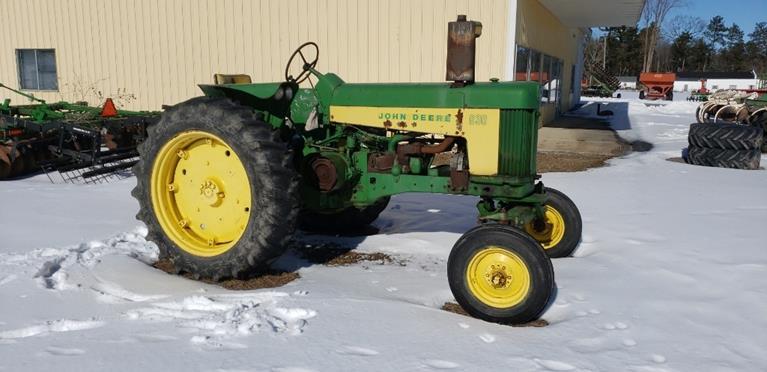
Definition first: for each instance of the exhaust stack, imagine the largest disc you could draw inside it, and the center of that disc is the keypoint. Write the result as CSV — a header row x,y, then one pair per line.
x,y
461,50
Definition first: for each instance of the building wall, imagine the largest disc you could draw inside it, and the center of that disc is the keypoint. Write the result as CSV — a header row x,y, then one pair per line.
x,y
538,29
715,84
628,85
159,50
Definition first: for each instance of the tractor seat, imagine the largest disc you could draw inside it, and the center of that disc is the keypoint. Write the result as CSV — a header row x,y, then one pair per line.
x,y
219,79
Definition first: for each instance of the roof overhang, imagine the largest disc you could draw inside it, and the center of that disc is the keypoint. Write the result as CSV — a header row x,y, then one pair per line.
x,y
596,13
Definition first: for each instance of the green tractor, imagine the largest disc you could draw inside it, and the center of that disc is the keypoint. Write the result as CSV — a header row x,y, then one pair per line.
x,y
224,179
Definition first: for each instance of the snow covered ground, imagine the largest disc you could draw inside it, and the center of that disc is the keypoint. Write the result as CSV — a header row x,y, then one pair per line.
x,y
671,275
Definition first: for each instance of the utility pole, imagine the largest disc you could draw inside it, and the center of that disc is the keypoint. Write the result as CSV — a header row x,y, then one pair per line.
x,y
604,53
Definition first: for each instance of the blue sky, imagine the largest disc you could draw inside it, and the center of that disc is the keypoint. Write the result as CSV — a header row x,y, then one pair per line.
x,y
745,13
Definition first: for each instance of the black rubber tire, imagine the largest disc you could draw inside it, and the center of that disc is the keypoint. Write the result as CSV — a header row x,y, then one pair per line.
x,y
348,220
573,223
725,136
670,96
5,168
641,94
539,265
760,121
738,159
18,166
269,167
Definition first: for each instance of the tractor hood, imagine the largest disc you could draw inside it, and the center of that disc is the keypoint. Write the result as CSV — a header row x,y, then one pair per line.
x,y
506,95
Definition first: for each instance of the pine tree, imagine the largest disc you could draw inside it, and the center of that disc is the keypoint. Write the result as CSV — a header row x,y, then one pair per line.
x,y
732,56
756,48
716,31
680,50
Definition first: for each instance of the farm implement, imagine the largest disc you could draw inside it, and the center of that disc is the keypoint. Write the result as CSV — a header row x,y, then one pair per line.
x,y
598,82
700,95
657,86
223,179
79,142
730,130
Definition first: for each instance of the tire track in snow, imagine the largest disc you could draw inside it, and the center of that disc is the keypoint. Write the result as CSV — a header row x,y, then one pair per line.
x,y
52,326
53,263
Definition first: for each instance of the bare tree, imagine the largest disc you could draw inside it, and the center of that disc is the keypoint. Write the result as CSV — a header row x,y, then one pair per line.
x,y
654,14
684,23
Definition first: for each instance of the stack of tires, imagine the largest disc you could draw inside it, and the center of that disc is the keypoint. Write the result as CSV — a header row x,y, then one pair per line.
x,y
725,145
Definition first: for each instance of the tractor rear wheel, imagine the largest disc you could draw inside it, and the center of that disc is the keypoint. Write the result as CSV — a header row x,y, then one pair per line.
x,y
499,274
217,189
346,220
561,232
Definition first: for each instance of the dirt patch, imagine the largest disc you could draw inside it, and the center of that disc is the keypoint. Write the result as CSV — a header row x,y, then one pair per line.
x,y
677,159
330,254
550,161
457,309
270,279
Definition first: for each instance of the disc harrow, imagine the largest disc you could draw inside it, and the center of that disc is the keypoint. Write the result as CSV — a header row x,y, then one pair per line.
x,y
728,106
70,142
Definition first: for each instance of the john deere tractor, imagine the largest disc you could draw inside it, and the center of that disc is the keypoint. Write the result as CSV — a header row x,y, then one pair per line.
x,y
224,179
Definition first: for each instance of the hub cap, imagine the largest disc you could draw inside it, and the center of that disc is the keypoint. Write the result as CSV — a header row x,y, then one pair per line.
x,y
552,231
200,193
498,277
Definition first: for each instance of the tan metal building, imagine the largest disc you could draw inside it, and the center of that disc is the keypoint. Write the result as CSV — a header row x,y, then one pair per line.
x,y
148,52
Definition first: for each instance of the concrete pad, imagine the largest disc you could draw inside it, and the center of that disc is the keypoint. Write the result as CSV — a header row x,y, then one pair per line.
x,y
582,141
581,135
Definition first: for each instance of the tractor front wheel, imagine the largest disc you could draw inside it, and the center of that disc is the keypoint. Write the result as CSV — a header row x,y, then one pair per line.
x,y
217,189
499,274
560,232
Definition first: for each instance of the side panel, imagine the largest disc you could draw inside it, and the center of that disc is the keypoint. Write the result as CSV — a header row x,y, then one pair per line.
x,y
480,127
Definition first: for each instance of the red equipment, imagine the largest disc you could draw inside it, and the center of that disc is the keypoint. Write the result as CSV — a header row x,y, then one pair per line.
x,y
657,85
703,88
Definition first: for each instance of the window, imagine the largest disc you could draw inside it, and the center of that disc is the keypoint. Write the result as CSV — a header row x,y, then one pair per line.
x,y
556,80
37,69
546,75
535,66
523,59
532,65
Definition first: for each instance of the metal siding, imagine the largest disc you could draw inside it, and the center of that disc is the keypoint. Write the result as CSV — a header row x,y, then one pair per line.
x,y
160,50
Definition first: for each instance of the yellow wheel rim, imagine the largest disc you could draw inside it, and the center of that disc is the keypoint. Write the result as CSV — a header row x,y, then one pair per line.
x,y
554,229
200,193
498,277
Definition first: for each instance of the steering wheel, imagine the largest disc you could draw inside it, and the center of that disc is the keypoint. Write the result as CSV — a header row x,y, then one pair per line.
x,y
304,74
